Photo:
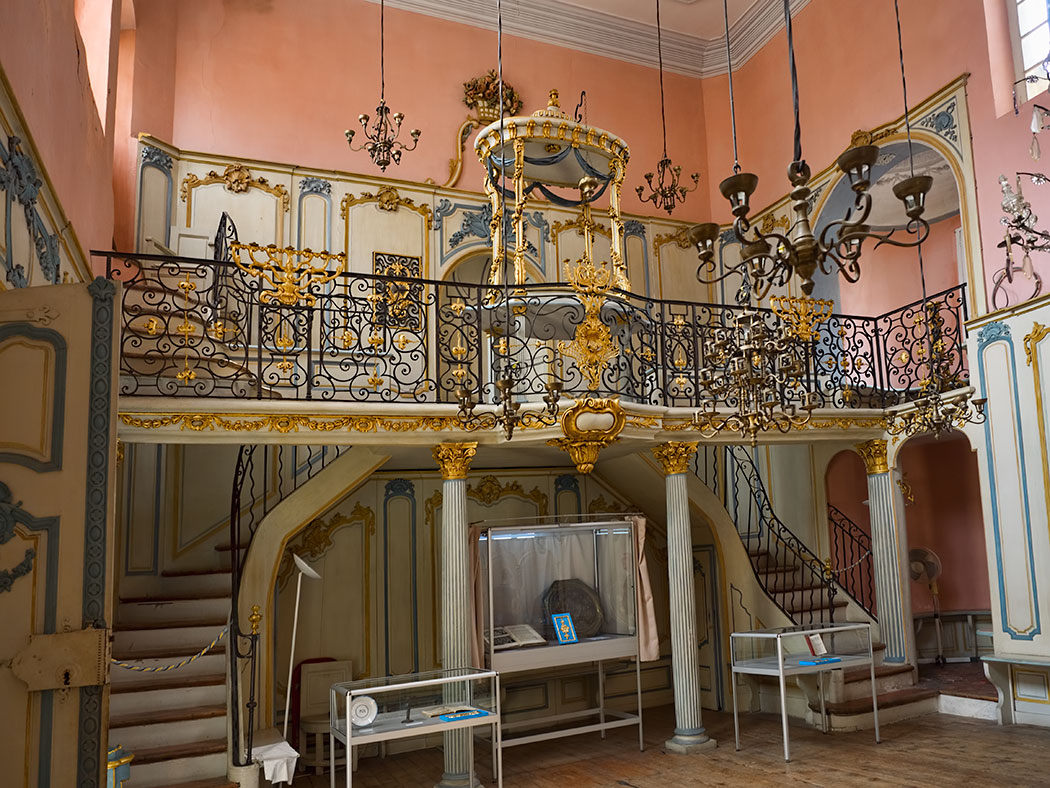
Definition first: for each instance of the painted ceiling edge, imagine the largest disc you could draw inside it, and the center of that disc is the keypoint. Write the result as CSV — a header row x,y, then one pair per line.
x,y
561,24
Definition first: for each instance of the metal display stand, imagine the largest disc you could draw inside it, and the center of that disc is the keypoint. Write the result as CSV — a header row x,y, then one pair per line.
x,y
783,663
598,649
400,702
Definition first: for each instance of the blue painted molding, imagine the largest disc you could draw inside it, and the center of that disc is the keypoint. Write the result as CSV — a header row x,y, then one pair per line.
x,y
315,187
20,182
400,488
158,160
10,514
989,334
941,121
474,231
100,395
58,342
567,482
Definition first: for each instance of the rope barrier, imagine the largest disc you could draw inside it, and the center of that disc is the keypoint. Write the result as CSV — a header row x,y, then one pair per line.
x,y
176,665
855,563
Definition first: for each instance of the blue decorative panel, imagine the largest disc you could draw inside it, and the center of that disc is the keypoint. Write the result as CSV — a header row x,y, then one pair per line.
x,y
400,489
474,230
159,160
321,188
989,335
58,394
20,183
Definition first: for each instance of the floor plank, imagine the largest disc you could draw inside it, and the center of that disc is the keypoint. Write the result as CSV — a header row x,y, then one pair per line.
x,y
927,752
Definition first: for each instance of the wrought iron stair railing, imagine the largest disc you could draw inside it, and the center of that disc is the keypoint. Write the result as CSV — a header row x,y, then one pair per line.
x,y
208,328
852,559
791,575
264,475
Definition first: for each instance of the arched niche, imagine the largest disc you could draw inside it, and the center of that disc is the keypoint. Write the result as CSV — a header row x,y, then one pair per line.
x,y
890,275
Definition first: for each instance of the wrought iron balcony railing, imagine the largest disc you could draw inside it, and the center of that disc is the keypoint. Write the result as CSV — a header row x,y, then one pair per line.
x,y
204,328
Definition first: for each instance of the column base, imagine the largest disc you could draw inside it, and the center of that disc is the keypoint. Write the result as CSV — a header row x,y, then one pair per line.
x,y
458,781
690,745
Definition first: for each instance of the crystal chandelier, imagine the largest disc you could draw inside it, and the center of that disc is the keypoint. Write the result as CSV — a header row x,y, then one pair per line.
x,y
763,371
383,145
507,414
770,258
933,412
667,192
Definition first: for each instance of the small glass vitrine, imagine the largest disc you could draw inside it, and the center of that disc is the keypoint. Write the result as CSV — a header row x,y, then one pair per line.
x,y
584,573
800,650
415,704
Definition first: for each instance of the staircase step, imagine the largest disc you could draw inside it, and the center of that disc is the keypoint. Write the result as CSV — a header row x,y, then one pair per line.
x,y
886,701
793,611
881,671
194,572
156,716
212,621
171,752
173,613
156,599
172,682
214,782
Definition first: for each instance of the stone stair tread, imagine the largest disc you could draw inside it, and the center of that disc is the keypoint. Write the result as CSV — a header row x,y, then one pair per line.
x,y
780,569
164,652
838,603
171,752
194,572
211,621
863,674
227,547
188,596
211,782
886,701
172,682
154,716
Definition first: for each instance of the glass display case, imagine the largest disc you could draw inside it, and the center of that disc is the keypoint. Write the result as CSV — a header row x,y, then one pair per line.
x,y
582,575
415,704
801,650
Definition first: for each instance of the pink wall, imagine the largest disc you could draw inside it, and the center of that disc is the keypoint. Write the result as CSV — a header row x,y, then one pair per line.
x,y
844,87
268,81
946,518
894,279
42,57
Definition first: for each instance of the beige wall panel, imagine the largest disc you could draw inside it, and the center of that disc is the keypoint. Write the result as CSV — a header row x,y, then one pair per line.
x,y
401,639
677,274
376,230
202,506
314,221
634,247
27,403
154,199
142,466
259,216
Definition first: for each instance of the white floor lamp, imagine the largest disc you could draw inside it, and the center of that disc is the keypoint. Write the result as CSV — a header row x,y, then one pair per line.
x,y
304,569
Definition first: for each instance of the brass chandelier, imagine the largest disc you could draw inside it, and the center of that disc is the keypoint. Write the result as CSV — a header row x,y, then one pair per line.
x,y
667,192
383,145
769,259
933,412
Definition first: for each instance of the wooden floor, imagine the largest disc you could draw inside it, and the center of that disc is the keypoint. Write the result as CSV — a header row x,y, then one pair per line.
x,y
932,751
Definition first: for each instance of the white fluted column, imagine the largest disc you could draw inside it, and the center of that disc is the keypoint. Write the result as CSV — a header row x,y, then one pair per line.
x,y
454,461
689,734
889,546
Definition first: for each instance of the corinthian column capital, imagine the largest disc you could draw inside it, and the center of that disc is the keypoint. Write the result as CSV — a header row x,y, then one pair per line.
x,y
454,458
674,457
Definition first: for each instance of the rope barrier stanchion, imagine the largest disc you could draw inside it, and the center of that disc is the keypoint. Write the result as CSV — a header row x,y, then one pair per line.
x,y
176,665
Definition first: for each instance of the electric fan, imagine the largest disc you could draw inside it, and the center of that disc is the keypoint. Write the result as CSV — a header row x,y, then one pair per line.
x,y
926,568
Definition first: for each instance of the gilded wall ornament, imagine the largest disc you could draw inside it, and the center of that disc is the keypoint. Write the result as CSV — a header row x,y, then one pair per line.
x,y
316,538
237,179
582,444
454,458
674,457
873,453
489,492
387,198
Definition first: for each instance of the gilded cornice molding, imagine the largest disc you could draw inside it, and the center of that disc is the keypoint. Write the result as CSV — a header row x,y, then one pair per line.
x,y
454,458
674,457
286,423
607,35
873,453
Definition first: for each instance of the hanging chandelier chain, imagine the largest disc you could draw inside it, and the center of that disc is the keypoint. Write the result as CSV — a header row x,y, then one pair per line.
x,y
904,86
794,79
660,59
382,51
732,103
